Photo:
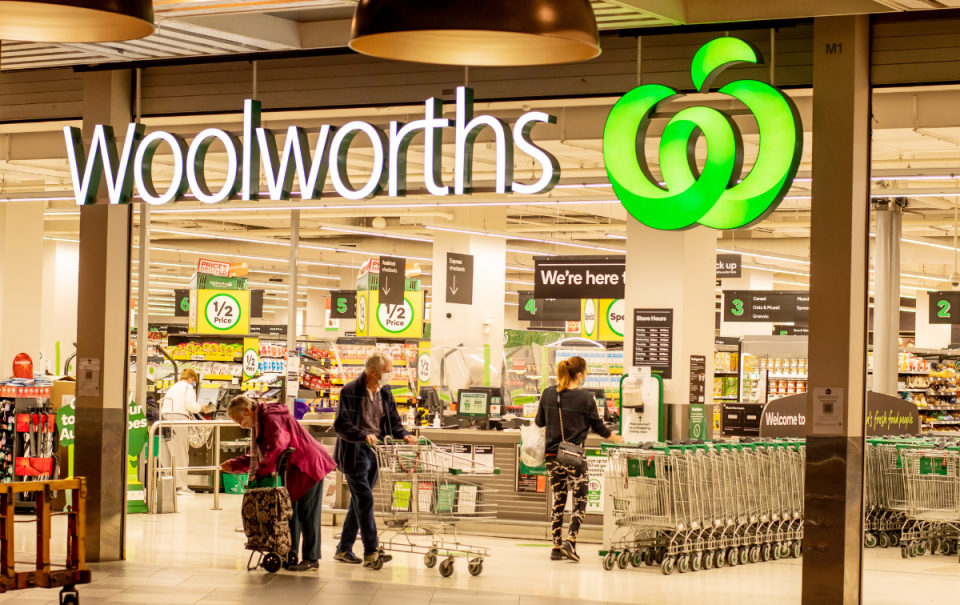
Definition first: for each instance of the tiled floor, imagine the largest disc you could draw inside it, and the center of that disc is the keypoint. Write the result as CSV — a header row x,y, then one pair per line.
x,y
196,558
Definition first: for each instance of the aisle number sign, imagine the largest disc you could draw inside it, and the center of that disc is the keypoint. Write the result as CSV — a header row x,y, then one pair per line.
x,y
389,321
220,312
944,307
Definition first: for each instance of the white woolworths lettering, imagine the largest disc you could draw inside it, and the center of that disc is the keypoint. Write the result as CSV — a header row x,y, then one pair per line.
x,y
135,162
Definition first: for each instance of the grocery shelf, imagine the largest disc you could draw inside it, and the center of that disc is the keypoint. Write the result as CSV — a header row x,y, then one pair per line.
x,y
913,390
726,373
787,376
938,408
727,397
902,372
939,423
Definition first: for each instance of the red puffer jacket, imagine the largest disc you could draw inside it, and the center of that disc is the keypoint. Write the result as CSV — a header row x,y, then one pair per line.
x,y
276,431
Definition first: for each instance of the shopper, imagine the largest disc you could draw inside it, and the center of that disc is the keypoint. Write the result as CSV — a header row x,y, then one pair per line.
x,y
367,412
180,403
568,413
274,430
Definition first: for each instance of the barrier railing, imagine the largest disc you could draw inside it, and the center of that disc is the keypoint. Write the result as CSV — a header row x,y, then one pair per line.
x,y
153,470
44,576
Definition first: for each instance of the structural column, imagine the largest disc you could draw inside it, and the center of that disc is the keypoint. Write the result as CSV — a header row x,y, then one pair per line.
x,y
833,525
886,297
480,324
21,268
293,309
103,308
674,270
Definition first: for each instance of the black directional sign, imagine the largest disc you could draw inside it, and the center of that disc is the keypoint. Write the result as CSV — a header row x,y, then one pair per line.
x,y
392,277
766,306
181,299
460,278
343,304
945,307
729,265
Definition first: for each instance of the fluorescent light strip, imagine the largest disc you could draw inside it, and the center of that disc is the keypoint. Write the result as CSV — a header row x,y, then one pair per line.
x,y
759,255
525,239
525,283
530,252
615,236
298,274
285,244
528,269
387,235
62,239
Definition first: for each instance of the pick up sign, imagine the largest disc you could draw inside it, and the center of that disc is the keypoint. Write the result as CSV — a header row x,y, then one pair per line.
x,y
580,277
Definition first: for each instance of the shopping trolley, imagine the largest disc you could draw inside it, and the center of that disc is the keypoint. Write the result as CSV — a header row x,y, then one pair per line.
x,y
932,482
695,506
426,491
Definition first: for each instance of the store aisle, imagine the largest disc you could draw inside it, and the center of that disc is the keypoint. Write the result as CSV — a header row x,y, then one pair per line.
x,y
196,558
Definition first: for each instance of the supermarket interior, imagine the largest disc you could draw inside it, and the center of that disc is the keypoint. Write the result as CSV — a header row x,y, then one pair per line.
x,y
240,205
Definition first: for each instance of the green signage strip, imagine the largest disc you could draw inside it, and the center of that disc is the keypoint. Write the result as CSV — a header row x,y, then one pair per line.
x,y
717,196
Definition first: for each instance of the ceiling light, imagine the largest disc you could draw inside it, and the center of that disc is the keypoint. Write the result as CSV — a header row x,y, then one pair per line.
x,y
526,239
375,234
467,32
65,21
615,236
759,255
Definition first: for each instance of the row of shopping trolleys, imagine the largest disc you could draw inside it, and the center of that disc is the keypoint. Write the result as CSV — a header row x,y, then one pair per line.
x,y
912,495
693,505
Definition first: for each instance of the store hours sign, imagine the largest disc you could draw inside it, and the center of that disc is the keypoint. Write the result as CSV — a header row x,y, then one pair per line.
x,y
132,162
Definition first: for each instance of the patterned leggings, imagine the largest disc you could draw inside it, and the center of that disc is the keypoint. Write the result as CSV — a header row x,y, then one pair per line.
x,y
563,478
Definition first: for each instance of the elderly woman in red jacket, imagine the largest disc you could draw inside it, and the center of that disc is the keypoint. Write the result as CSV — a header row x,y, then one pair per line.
x,y
275,430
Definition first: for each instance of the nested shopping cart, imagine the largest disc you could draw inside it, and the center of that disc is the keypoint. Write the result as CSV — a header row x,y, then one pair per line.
x,y
425,492
932,489
885,510
699,506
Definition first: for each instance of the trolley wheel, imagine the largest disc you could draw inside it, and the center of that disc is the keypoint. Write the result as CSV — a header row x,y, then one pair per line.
x,y
883,540
765,552
430,560
905,551
914,549
733,557
683,563
921,548
667,566
649,557
933,545
708,559
954,547
272,563
719,558
945,548
869,540
754,554
624,559
744,555
894,538
609,560
696,561
637,559
475,567
661,555
376,561
777,551
69,596
797,549
446,568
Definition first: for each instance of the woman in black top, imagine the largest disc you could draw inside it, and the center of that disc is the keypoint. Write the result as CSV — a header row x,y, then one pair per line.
x,y
579,415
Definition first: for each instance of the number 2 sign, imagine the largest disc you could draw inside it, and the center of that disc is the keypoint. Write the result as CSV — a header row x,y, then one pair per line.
x,y
944,307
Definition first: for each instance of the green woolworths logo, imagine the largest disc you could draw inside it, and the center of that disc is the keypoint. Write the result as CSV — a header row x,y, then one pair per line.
x,y
713,197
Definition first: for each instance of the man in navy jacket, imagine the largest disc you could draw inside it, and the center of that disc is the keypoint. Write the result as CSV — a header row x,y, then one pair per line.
x,y
367,413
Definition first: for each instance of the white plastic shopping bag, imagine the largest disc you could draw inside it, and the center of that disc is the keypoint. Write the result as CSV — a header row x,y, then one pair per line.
x,y
533,442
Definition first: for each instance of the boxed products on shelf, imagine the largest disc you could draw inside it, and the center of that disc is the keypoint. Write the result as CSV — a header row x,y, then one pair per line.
x,y
725,362
272,349
190,349
39,387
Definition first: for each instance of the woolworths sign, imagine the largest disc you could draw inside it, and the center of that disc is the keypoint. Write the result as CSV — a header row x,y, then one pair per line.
x,y
133,162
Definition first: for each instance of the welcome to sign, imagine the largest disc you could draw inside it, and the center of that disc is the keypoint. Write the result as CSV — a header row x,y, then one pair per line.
x,y
134,162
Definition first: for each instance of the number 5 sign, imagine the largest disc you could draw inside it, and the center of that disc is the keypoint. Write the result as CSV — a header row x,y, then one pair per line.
x,y
222,312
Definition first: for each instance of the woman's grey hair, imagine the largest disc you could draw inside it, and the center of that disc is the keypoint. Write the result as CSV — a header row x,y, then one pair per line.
x,y
376,360
238,403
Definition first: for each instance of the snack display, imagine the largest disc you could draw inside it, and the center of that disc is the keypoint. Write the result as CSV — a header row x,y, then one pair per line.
x,y
187,350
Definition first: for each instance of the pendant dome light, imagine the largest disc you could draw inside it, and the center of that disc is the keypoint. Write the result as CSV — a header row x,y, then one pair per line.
x,y
477,32
75,20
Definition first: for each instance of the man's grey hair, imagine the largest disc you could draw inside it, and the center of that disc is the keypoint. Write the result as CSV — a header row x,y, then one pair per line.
x,y
376,360
238,403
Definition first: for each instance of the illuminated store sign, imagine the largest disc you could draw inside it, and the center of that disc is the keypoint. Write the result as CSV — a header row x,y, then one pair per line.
x,y
716,196
134,162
